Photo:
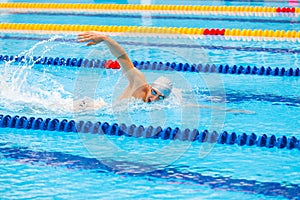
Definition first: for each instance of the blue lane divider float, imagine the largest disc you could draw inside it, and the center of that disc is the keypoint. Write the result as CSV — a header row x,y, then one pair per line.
x,y
147,65
22,122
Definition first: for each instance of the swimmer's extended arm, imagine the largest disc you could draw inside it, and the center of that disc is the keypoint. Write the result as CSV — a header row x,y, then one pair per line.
x,y
94,38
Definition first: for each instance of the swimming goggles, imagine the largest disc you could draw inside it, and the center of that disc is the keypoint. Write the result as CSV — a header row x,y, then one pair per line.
x,y
154,93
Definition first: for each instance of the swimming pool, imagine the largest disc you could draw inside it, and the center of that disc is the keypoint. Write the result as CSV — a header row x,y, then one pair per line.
x,y
43,158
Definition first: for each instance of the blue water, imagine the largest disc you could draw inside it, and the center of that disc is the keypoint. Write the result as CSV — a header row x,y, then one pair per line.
x,y
49,164
284,22
210,50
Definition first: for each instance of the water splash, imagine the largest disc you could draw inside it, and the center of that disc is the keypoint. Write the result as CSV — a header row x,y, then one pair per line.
x,y
31,90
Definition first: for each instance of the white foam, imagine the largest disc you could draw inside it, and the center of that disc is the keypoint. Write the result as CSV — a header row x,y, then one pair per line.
x,y
24,88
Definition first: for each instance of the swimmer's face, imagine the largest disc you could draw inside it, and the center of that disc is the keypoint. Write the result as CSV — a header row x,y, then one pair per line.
x,y
154,95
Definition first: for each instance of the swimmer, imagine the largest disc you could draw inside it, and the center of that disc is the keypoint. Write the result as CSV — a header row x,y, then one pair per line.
x,y
137,87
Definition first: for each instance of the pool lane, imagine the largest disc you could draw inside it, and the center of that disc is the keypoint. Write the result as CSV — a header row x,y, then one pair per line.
x,y
161,17
55,159
210,47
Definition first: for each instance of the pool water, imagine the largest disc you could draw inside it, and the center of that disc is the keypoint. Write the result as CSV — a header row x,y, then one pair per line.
x,y
39,164
47,164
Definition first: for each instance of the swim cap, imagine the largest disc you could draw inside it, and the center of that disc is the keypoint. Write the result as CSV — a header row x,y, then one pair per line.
x,y
163,85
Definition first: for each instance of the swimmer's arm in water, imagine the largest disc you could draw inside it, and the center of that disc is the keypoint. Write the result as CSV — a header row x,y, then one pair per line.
x,y
93,38
220,108
87,104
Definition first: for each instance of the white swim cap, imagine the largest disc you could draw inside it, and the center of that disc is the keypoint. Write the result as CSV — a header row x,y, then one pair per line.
x,y
163,85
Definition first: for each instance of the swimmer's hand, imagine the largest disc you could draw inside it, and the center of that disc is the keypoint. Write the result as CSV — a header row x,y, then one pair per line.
x,y
87,104
91,37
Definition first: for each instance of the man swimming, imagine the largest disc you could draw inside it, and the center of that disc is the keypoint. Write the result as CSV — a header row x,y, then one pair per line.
x,y
138,86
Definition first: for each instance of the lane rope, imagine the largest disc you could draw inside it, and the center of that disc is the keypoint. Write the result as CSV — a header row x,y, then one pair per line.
x,y
169,9
22,122
236,34
147,65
